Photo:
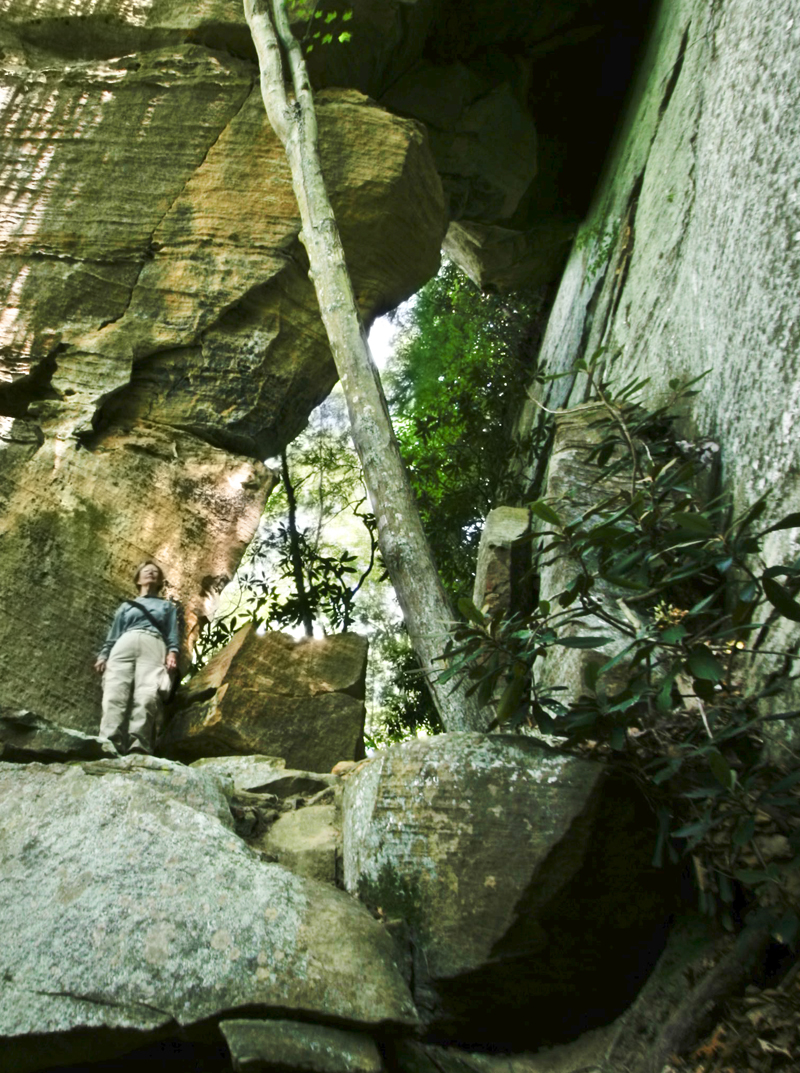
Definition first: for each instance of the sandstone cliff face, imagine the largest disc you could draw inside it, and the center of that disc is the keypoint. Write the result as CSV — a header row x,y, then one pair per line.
x,y
502,88
689,260
159,334
156,300
74,525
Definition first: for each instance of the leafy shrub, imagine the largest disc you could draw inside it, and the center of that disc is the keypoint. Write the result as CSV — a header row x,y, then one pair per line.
x,y
685,719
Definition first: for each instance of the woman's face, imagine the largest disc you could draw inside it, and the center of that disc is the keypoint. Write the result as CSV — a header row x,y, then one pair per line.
x,y
149,575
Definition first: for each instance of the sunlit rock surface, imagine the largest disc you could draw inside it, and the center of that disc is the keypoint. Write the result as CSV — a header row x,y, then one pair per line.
x,y
301,700
130,904
242,772
490,79
159,335
152,260
74,524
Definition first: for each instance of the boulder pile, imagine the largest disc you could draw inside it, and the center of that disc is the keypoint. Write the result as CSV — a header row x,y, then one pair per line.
x,y
466,889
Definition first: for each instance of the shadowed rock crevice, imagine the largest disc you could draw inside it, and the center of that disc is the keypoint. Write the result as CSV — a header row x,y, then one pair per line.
x,y
523,876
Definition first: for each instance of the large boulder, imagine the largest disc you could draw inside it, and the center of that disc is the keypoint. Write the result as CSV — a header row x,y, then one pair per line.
x,y
131,911
300,700
523,875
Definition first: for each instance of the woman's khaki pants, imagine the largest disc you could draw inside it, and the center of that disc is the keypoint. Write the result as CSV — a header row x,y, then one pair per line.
x,y
131,704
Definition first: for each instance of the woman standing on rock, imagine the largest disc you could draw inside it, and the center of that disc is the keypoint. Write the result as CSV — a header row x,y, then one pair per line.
x,y
139,654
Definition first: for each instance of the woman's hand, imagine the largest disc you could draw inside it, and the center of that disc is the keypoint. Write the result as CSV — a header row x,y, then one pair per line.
x,y
171,662
100,664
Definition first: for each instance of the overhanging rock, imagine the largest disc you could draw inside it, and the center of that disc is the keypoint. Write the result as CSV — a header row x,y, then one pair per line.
x,y
159,330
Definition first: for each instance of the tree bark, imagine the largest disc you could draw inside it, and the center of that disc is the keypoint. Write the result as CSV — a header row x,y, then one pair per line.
x,y
403,544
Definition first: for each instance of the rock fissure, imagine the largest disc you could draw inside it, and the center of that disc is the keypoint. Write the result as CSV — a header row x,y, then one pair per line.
x,y
623,255
169,211
674,74
241,106
95,1000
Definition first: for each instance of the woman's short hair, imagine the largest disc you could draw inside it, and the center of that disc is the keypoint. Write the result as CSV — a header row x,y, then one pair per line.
x,y
141,566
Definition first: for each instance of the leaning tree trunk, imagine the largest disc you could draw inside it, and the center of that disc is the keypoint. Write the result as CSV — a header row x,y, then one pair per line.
x,y
403,544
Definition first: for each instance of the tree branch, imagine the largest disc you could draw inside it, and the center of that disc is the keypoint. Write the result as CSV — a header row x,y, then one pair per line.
x,y
294,549
270,66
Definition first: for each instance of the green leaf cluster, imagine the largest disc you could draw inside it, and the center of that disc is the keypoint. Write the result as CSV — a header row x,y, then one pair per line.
x,y
453,388
686,599
323,26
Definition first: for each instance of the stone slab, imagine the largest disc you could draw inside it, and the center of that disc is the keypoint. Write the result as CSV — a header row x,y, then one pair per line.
x,y
305,842
273,1046
25,737
247,772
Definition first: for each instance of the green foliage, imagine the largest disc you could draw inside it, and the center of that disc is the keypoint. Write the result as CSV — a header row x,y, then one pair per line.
x,y
300,532
401,707
332,580
453,388
322,26
676,584
331,584
600,242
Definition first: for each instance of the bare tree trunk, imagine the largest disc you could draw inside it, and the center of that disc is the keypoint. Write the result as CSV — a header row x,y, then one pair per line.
x,y
294,549
403,544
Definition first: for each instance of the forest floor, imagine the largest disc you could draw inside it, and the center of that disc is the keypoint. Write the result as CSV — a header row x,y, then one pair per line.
x,y
759,1033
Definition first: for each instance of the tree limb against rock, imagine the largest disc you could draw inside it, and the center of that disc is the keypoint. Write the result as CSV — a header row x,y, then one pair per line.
x,y
403,544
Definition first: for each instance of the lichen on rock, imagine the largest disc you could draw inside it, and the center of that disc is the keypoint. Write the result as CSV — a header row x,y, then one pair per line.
x,y
131,904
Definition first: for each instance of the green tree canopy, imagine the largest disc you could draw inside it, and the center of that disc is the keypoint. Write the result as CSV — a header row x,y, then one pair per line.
x,y
454,385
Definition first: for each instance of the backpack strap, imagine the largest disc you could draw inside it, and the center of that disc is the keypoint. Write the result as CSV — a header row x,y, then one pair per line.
x,y
145,612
